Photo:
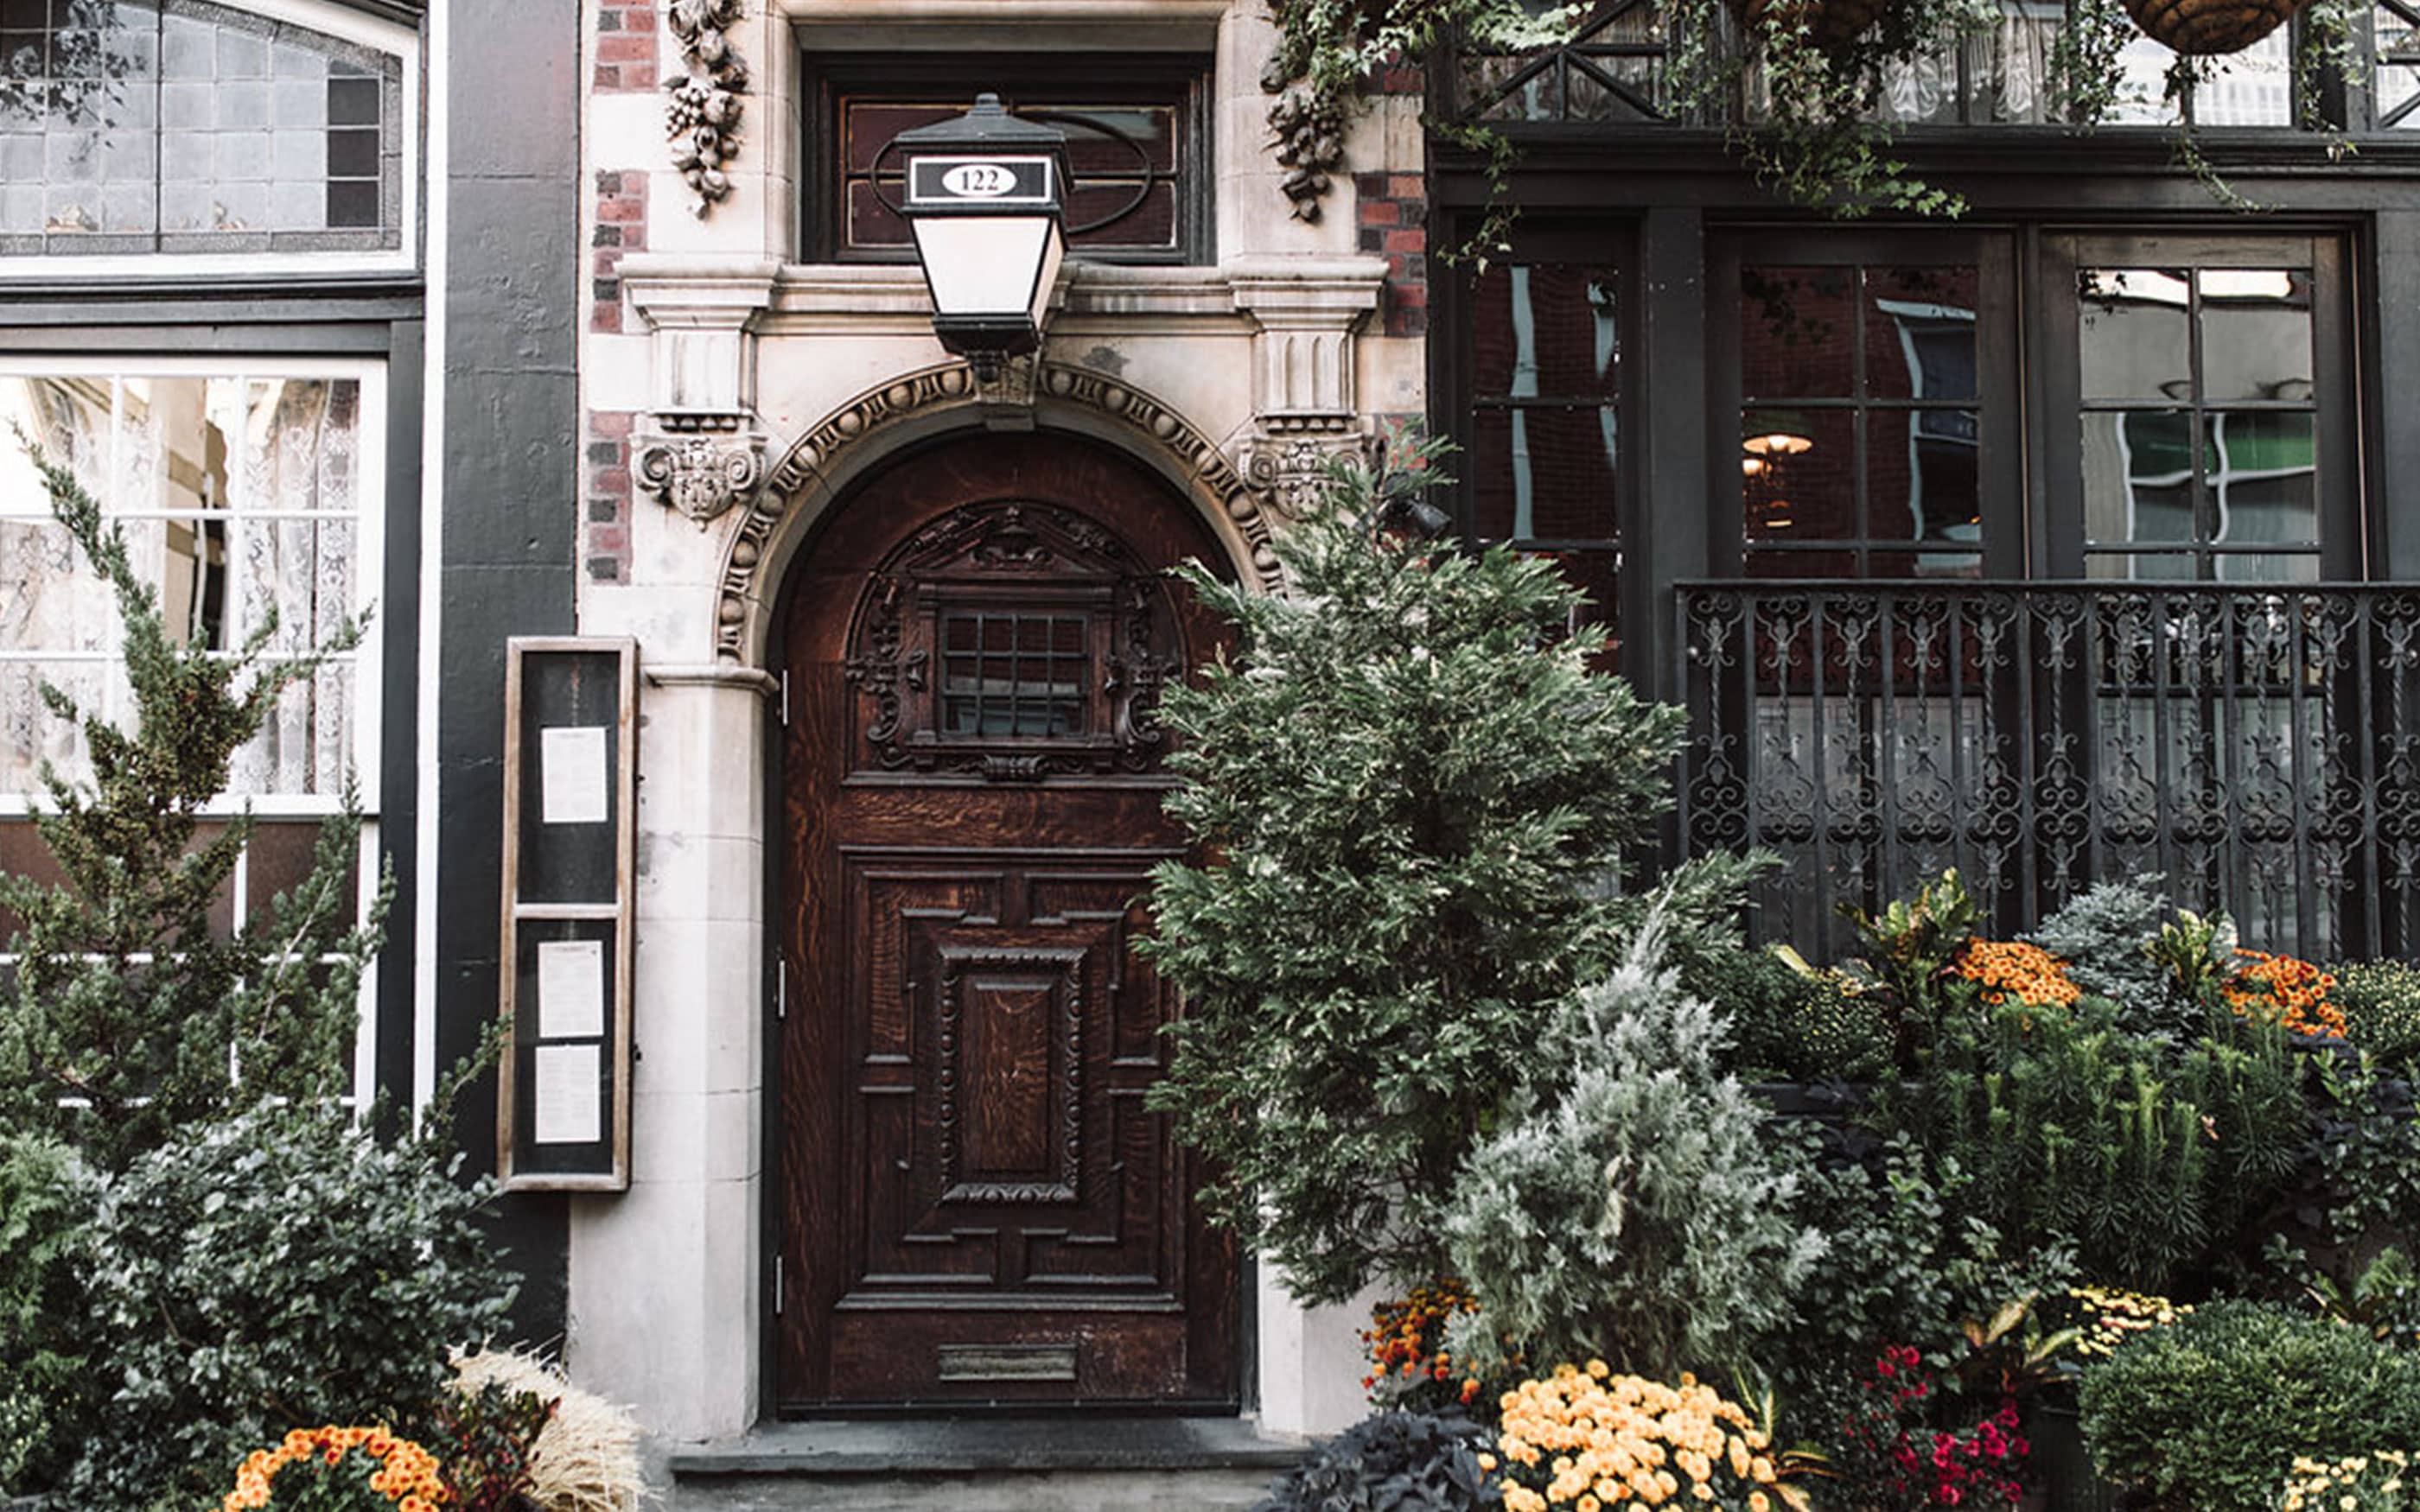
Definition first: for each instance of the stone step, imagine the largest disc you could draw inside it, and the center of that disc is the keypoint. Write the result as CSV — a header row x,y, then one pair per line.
x,y
1090,1464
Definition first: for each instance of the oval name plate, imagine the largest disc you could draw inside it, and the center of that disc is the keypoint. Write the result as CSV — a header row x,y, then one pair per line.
x,y
986,181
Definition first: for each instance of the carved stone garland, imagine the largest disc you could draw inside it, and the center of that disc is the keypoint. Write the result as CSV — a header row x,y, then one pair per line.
x,y
704,115
949,387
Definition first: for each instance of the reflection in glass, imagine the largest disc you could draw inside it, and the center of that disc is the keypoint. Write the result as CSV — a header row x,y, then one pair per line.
x,y
1547,330
1797,333
2134,333
1921,486
2256,333
2138,476
1544,472
2262,477
1920,332
2268,567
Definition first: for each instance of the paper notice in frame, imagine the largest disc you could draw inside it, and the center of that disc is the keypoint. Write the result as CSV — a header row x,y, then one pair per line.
x,y
570,989
565,1091
575,784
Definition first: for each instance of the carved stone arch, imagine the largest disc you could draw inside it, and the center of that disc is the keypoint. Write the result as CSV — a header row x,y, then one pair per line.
x,y
856,438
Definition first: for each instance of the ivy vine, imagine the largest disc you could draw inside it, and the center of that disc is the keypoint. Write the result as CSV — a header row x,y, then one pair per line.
x,y
1817,68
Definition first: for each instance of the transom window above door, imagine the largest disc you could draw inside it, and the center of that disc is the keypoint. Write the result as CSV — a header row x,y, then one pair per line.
x,y
187,130
1138,147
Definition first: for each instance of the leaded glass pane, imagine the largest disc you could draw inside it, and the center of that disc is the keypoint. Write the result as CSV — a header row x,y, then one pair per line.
x,y
182,126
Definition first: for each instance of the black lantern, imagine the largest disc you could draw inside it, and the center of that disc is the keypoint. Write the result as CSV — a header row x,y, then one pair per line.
x,y
987,201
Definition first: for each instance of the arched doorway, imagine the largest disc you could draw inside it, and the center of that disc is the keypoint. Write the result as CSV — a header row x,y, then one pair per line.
x,y
974,1206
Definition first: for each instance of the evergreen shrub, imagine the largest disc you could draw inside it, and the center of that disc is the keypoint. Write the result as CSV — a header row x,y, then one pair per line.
x,y
275,1268
2208,1414
1790,1026
1642,1214
2069,1131
46,1389
1416,793
2103,935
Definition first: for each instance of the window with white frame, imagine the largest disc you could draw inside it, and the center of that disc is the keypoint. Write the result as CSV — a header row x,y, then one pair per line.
x,y
178,132
249,493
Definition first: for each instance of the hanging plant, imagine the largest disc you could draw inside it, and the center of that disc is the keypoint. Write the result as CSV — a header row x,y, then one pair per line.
x,y
1817,69
1330,51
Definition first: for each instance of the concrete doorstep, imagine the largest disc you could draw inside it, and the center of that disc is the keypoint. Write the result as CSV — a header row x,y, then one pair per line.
x,y
1136,1464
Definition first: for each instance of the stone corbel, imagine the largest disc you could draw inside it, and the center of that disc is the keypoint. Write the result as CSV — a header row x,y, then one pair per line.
x,y
699,449
1306,315
701,476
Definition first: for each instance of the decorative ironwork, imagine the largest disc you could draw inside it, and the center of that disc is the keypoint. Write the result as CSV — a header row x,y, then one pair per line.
x,y
2253,744
945,647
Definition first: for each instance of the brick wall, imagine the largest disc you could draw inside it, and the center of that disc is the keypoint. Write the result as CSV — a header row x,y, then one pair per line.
x,y
621,227
625,47
1394,226
605,529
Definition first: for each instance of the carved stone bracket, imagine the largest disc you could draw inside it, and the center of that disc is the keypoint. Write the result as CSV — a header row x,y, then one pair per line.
x,y
702,119
701,477
1292,469
702,314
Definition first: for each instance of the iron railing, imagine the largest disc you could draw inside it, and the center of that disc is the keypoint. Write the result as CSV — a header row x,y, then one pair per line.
x,y
2255,746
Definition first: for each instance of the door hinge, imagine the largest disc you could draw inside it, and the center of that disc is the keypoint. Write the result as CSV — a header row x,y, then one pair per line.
x,y
786,697
777,1284
780,989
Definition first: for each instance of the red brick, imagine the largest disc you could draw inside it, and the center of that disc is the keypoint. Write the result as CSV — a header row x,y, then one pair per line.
x,y
621,208
611,424
639,78
625,47
606,320
610,480
608,80
1380,212
1411,296
1412,239
614,539
1407,186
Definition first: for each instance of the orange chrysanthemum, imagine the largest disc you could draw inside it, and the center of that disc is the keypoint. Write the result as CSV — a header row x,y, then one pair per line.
x,y
2011,971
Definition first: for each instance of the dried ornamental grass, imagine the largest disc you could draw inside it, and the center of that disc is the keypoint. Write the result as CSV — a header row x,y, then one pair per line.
x,y
586,1458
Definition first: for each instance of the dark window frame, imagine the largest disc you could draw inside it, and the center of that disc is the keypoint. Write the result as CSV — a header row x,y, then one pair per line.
x,y
2060,537
1184,77
2000,399
1453,367
236,320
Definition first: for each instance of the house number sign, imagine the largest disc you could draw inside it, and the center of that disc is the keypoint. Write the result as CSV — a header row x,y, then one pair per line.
x,y
1008,180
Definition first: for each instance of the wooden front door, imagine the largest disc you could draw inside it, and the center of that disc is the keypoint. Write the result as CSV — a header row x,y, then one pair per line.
x,y
976,1207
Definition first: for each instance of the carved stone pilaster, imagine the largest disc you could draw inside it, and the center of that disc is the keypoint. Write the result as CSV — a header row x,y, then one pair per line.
x,y
702,119
701,477
1307,317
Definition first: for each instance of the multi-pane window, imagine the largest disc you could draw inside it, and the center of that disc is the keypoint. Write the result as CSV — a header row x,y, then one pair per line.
x,y
1860,438
1544,447
2199,424
1137,150
1012,673
247,495
141,126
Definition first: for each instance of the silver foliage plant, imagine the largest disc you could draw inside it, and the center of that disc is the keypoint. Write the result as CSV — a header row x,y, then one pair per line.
x,y
1642,1212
